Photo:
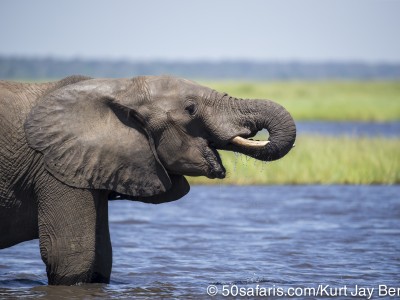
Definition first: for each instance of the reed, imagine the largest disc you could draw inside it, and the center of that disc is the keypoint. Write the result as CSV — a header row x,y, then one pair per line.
x,y
318,160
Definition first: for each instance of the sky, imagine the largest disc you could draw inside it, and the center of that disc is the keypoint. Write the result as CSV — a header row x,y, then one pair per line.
x,y
262,30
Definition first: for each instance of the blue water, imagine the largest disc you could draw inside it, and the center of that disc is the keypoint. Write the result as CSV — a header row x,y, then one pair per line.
x,y
365,129
277,237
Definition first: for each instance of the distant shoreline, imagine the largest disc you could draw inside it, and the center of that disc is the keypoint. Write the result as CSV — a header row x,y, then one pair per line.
x,y
15,67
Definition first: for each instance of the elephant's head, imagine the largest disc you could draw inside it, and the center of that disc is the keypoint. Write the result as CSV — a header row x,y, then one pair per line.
x,y
138,137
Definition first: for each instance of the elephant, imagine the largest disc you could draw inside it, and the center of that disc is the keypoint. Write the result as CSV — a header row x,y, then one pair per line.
x,y
69,146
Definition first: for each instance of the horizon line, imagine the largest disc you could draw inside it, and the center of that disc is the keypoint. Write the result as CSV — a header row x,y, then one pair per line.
x,y
198,60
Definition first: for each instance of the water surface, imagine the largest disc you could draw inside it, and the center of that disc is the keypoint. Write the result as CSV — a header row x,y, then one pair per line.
x,y
363,129
271,236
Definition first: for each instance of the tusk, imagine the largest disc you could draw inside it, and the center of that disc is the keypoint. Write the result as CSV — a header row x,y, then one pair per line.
x,y
239,141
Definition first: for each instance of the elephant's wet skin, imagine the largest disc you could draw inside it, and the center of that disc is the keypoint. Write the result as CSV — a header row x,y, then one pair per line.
x,y
68,147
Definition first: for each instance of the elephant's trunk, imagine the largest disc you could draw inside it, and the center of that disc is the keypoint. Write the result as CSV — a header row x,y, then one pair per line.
x,y
264,114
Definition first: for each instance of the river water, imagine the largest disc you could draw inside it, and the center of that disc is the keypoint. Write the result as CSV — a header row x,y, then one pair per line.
x,y
364,129
285,238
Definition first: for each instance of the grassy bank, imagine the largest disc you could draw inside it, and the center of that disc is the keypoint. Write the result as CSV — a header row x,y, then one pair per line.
x,y
324,100
317,159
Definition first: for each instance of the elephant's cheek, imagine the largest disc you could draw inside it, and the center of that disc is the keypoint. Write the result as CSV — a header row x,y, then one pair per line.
x,y
182,167
183,158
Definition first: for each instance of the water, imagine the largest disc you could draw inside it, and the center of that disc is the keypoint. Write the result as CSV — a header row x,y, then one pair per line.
x,y
276,237
366,129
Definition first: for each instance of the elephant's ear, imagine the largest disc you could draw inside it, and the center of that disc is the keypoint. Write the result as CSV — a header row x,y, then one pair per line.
x,y
90,141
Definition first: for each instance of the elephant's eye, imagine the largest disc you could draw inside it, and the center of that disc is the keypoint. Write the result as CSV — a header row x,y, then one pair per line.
x,y
191,108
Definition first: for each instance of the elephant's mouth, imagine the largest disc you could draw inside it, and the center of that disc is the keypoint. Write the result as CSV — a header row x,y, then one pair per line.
x,y
214,162
237,144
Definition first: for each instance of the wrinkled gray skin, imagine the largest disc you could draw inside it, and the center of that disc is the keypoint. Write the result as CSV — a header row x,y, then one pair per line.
x,y
68,147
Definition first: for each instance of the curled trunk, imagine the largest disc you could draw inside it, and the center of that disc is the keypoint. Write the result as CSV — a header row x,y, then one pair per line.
x,y
264,114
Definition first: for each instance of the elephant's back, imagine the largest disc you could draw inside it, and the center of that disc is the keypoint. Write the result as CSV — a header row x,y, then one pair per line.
x,y
17,99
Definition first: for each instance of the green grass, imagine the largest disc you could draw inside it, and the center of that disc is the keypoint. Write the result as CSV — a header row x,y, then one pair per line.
x,y
324,100
318,159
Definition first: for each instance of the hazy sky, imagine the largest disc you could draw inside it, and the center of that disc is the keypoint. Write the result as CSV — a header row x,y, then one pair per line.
x,y
307,30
